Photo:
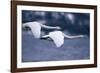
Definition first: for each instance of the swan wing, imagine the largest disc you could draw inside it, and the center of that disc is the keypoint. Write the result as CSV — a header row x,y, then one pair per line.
x,y
57,37
35,28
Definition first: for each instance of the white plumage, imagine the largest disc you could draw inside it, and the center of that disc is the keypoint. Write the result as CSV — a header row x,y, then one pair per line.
x,y
36,28
57,37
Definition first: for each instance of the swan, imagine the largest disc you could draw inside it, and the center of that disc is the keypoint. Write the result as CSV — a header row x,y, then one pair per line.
x,y
58,37
36,26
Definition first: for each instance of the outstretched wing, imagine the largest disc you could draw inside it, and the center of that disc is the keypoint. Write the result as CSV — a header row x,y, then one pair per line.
x,y
35,28
57,37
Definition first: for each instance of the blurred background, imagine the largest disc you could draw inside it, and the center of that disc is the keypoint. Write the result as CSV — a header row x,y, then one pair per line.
x,y
34,50
73,23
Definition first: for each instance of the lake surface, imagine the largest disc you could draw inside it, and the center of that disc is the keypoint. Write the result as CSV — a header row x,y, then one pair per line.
x,y
35,50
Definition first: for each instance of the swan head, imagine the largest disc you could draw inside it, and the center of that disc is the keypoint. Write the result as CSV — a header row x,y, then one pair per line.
x,y
57,27
82,35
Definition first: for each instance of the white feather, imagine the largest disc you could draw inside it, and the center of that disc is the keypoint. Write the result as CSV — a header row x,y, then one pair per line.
x,y
35,28
57,37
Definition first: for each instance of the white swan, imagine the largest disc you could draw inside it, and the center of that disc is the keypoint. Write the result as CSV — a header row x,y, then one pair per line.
x,y
36,28
58,37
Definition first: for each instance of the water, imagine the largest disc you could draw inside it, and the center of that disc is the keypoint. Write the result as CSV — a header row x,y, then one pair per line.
x,y
35,50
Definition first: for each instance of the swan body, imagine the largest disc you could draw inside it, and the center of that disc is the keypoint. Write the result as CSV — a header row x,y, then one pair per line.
x,y
36,28
58,37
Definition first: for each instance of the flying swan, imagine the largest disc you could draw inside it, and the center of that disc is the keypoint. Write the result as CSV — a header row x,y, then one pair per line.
x,y
58,37
36,26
